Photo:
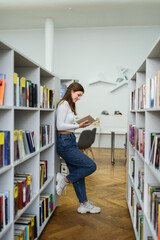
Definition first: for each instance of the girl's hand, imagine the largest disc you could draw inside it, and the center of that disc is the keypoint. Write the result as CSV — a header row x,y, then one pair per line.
x,y
84,124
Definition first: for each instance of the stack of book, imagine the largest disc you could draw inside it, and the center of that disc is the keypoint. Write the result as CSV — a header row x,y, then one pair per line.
x,y
154,207
26,227
139,221
142,97
23,182
25,92
46,206
23,143
43,172
45,135
154,90
2,87
141,182
4,148
4,209
155,150
46,97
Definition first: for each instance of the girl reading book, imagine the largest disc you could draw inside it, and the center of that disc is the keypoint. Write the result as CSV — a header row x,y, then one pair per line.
x,y
78,163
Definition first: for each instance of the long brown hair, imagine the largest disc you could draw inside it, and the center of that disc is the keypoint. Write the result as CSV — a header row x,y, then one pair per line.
x,y
75,86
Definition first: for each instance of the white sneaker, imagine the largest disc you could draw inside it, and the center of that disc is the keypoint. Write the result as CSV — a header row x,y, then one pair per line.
x,y
61,184
88,207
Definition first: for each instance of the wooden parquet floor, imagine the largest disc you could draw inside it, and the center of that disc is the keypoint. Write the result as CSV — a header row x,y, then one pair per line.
x,y
107,189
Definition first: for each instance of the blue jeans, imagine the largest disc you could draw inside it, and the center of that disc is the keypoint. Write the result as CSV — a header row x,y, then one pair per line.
x,y
78,163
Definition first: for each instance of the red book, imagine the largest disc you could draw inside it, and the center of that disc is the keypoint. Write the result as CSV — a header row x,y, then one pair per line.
x,y
2,87
20,194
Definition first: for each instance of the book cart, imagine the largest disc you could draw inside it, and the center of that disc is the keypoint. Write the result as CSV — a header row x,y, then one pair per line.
x,y
27,118
143,167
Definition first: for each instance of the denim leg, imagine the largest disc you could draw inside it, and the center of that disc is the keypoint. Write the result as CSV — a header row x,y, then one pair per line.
x,y
79,164
79,186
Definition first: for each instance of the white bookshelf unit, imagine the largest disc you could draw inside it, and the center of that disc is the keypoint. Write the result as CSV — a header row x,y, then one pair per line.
x,y
147,119
27,118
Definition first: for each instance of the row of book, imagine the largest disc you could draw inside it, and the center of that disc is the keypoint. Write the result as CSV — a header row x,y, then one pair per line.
x,y
45,135
154,156
142,97
25,92
4,209
2,88
46,206
22,190
141,182
154,207
138,217
43,172
154,90
137,138
4,148
24,143
46,97
25,228
139,221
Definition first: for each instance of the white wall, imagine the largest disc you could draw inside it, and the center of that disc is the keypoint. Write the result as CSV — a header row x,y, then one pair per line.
x,y
29,42
86,54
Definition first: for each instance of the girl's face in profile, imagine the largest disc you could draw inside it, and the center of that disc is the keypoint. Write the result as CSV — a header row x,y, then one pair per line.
x,y
76,95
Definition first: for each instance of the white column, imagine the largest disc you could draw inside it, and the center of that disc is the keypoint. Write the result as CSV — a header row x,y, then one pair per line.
x,y
49,43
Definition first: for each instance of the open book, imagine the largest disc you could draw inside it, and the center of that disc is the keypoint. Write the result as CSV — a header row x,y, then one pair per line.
x,y
89,118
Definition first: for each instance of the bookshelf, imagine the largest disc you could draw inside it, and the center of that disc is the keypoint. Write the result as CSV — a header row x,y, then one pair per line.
x,y
144,119
27,118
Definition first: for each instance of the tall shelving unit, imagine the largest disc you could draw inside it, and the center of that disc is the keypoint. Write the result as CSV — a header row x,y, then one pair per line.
x,y
147,118
27,118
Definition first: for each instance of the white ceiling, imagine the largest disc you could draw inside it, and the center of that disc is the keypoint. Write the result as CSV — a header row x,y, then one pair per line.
x,y
20,14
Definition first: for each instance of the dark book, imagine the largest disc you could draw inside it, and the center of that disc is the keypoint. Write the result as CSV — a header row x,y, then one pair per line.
x,y
28,134
33,95
16,150
33,142
6,148
26,147
1,149
30,95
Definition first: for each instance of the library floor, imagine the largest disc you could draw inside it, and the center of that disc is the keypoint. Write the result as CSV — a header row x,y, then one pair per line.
x,y
107,189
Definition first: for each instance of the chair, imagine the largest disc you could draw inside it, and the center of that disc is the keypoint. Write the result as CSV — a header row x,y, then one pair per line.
x,y
85,141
